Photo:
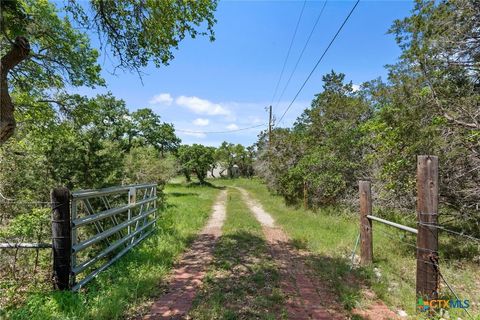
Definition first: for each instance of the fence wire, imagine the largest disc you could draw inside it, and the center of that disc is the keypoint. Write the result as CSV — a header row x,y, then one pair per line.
x,y
16,201
461,234
433,262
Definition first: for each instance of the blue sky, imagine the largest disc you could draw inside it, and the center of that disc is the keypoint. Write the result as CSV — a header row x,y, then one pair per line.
x,y
226,84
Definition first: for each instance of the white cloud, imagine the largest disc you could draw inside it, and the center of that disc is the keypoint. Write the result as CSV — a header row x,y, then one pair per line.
x,y
202,106
162,98
355,87
201,122
232,126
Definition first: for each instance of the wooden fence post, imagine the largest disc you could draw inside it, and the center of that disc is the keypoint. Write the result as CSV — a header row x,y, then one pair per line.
x,y
61,238
305,195
366,243
427,237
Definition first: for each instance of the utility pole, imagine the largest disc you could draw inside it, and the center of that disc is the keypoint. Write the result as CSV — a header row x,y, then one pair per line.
x,y
270,126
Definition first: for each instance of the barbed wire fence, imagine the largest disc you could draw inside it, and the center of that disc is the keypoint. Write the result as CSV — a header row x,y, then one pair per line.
x,y
434,246
24,237
433,262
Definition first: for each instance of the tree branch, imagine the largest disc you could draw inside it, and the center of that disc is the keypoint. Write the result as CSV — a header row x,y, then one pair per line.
x,y
461,123
19,51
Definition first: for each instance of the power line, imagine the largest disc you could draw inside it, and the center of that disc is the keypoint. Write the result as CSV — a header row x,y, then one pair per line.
x,y
288,52
303,51
319,60
226,131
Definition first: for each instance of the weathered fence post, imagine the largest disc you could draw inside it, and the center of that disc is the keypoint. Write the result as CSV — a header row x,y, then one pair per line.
x,y
366,243
427,237
61,238
305,195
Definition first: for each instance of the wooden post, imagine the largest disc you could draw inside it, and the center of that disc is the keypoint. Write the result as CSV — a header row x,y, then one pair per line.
x,y
427,237
305,195
366,243
61,237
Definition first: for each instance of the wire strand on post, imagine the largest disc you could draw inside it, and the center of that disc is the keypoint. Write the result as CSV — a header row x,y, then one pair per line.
x,y
449,231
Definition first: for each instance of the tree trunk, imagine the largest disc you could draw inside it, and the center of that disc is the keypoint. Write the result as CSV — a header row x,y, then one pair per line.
x,y
18,52
211,171
187,175
221,173
201,175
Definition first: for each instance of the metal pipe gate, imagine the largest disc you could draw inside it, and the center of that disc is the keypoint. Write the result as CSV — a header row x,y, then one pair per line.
x,y
106,224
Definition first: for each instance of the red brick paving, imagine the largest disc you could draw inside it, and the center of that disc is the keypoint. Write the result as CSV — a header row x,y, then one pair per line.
x,y
377,311
190,271
307,298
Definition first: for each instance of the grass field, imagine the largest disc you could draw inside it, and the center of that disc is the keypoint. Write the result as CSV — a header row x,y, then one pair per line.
x,y
135,278
330,235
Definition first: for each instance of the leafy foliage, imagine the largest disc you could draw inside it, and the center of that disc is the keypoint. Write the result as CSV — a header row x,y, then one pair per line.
x,y
196,158
61,54
132,280
229,155
149,130
32,225
96,144
49,137
45,48
145,164
430,104
138,32
323,150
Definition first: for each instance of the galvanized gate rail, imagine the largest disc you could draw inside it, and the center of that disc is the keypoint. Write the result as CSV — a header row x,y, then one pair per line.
x,y
120,224
393,224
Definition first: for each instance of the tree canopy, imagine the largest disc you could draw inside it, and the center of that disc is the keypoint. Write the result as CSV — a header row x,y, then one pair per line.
x,y
43,49
196,158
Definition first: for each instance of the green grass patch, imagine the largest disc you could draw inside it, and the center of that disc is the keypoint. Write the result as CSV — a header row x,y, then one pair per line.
x,y
243,281
135,278
330,233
